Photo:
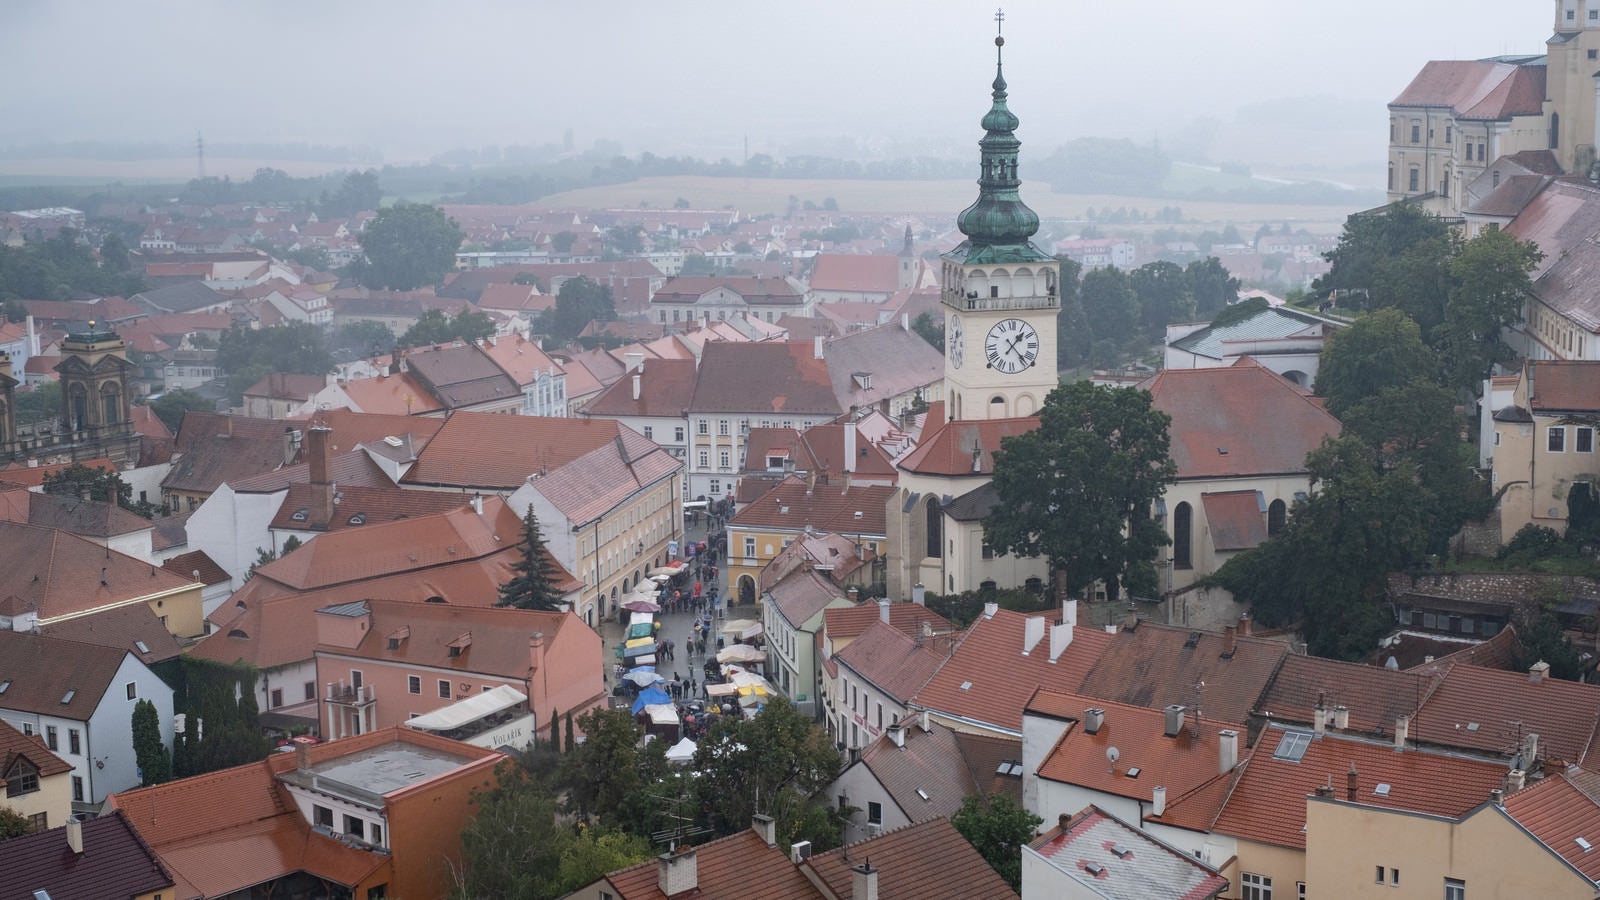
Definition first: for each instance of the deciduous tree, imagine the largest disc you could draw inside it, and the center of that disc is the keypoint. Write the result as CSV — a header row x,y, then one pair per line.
x,y
578,302
1163,293
764,763
997,829
1110,306
1079,489
1378,351
1211,286
409,245
171,406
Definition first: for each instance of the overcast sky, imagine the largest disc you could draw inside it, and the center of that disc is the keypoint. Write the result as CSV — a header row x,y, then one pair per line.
x,y
414,77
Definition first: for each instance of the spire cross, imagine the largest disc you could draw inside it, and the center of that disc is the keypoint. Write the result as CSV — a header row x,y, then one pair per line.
x,y
999,20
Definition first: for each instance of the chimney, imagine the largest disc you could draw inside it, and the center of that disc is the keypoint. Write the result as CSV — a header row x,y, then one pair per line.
x,y
766,827
477,504
1319,718
989,609
1093,718
1497,796
1069,609
849,447
1402,731
1230,641
634,361
1324,790
1032,633
535,655
1538,671
905,321
636,387
883,611
854,594
1060,639
321,480
75,834
1341,717
816,347
1245,626
1158,801
1352,782
863,882
1174,720
897,734
923,722
1516,780
919,594
302,756
677,872
1227,750
1530,750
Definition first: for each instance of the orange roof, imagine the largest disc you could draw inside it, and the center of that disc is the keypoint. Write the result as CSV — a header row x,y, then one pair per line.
x,y
724,868
1489,710
1161,665
1236,519
928,859
522,359
1559,810
665,387
988,680
499,644
794,505
391,395
56,573
1268,804
492,451
1147,755
33,476
953,447
907,618
1565,385
1374,696
1238,420
14,743
764,377
1477,89
855,273
896,663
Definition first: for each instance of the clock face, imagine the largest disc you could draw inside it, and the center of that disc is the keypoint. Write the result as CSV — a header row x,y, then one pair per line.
x,y
1012,346
957,339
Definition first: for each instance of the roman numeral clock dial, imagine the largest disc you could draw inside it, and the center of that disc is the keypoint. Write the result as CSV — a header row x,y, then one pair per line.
x,y
958,342
1011,347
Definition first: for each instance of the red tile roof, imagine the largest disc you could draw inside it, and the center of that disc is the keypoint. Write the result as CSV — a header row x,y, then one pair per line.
x,y
907,618
1161,665
461,376
499,636
499,452
1477,89
728,867
855,272
45,671
925,860
85,518
15,744
1236,520
1559,386
1268,804
522,359
1375,697
33,476
115,863
287,386
1489,710
361,506
793,505
1559,810
603,479
665,389
950,449
56,573
896,663
216,449
1238,420
764,377
998,679
754,291
123,628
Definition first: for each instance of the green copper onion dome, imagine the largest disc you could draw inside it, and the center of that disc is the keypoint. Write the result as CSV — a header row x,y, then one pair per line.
x,y
999,216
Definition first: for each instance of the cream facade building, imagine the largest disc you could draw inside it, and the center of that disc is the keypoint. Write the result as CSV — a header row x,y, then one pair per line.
x,y
1544,445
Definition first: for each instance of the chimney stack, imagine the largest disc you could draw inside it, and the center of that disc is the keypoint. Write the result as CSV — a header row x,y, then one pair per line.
x,y
477,504
1230,641
1319,718
1352,783
849,447
1060,640
1245,626
853,594
897,734
1032,633
1530,750
1516,780
1093,718
636,387
1227,750
535,655
883,611
677,871
1341,717
302,756
863,882
816,347
1174,720
1069,608
75,834
633,361
1158,801
989,609
766,827
321,477
919,594
923,722
1402,731
1538,671
1497,796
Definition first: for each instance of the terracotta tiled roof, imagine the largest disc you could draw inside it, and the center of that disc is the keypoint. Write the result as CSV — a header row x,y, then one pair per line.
x,y
792,505
523,297
392,395
287,386
599,481
115,863
936,763
349,429
500,452
1161,665
461,376
352,469
1147,756
33,476
834,554
728,867
764,377
123,628
1236,520
894,361
216,449
1563,221
56,573
754,291
895,663
988,680
949,449
820,448
1564,386
803,594
85,518
1559,810
1489,710
1375,697
855,272
805,329
1238,420
522,359
1149,868
907,618
1268,804
55,677
1498,652
925,860
499,644
361,506
14,743
186,564
1511,197
665,388
1476,89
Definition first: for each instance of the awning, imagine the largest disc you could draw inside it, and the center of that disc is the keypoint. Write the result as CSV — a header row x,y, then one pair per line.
x,y
742,628
662,714
681,752
469,710
636,643
721,690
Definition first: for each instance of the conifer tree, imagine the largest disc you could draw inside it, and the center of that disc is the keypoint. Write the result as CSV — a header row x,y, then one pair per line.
x,y
533,585
148,751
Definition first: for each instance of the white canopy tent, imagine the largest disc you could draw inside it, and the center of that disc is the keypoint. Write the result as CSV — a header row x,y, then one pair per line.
x,y
471,709
681,752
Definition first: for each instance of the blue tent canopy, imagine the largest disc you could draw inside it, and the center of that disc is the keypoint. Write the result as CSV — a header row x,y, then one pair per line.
x,y
649,697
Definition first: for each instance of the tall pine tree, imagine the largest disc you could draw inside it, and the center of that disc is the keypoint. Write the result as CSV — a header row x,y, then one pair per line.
x,y
533,585
148,751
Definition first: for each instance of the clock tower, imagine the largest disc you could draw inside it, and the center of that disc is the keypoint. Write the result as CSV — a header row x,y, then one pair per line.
x,y
999,290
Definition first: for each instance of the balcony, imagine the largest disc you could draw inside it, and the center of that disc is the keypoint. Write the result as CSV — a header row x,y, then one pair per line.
x,y
341,694
980,304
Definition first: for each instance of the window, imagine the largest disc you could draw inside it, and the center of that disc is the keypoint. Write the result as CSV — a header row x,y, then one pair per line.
x,y
275,699
1391,176
1480,152
722,427
41,822
1455,889
723,459
1594,54
321,815
1448,132
377,836
705,459
874,812
1254,887
715,487
649,432
987,551
50,738
1583,439
1394,877
1414,182
1556,439
133,690
1183,537
444,689
413,684
1416,133
935,527
77,789
1594,14
355,679
354,826
74,742
749,547
22,779
1555,123
1300,890
703,426
1277,514
677,434
311,690
1379,878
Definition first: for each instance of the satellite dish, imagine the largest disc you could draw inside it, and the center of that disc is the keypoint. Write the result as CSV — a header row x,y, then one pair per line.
x,y
1112,755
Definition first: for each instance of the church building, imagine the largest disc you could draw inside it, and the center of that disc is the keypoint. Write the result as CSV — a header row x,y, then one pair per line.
x,y
95,420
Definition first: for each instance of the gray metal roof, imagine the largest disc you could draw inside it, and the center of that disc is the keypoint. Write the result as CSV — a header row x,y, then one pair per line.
x,y
1267,324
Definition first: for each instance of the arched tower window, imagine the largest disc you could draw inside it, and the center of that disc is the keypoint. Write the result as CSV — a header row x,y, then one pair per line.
x,y
1277,514
78,407
110,404
1183,537
935,528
